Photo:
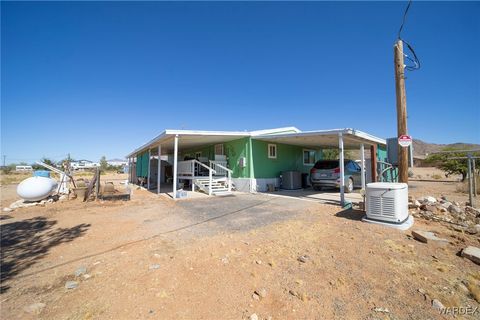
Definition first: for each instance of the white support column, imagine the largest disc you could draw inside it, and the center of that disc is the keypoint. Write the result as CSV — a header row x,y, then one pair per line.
x,y
362,164
229,181
129,170
159,168
175,165
209,182
342,170
148,171
132,161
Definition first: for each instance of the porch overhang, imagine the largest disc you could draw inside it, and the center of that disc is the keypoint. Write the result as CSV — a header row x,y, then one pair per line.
x,y
352,138
189,139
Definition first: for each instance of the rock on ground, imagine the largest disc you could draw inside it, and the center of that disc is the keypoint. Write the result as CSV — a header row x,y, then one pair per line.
x,y
455,209
472,253
261,292
80,271
35,308
427,236
437,305
71,285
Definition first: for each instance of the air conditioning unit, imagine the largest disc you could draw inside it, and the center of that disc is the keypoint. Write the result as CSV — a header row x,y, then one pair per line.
x,y
387,202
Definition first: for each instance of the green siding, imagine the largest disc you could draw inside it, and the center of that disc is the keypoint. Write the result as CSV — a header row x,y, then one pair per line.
x,y
381,153
142,164
289,157
234,150
207,151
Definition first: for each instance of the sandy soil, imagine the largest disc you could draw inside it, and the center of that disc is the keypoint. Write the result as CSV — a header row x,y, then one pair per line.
x,y
153,258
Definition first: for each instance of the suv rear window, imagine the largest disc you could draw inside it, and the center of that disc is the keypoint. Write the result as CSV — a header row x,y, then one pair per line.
x,y
326,164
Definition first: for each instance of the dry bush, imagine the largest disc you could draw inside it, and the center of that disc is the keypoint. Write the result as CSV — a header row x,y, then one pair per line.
x,y
14,177
474,291
463,186
436,176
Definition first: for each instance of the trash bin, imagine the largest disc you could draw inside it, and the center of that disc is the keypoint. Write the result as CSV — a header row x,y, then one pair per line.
x,y
305,183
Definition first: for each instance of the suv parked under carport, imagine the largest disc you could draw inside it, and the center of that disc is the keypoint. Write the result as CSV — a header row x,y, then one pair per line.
x,y
326,173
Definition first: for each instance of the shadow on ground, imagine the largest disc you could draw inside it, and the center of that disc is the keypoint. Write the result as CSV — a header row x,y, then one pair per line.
x,y
24,242
351,214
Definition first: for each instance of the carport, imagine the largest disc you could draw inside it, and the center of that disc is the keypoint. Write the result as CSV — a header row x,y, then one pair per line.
x,y
169,145
336,138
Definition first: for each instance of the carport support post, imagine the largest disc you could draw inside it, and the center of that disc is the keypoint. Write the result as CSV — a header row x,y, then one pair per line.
x,y
129,170
175,163
342,170
362,163
159,168
373,160
148,171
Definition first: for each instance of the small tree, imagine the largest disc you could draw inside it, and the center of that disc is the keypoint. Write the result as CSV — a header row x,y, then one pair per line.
x,y
450,162
48,161
334,154
103,163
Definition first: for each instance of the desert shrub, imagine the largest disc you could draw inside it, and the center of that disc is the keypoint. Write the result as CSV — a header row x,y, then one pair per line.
x,y
452,162
436,176
463,186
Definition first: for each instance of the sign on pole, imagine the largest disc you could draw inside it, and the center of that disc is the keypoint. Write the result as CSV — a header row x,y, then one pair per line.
x,y
405,141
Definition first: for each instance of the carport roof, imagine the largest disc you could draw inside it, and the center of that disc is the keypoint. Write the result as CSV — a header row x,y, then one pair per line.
x,y
325,138
288,135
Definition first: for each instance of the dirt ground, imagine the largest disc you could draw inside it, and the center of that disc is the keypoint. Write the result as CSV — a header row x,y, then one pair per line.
x,y
154,258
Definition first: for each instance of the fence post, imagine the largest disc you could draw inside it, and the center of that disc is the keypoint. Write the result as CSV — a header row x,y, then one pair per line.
x,y
474,178
470,180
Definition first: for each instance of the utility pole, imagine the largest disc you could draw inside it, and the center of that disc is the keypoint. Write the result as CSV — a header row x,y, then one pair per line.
x,y
401,110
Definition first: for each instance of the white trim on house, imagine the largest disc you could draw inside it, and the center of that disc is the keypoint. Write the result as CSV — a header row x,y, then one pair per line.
x,y
270,155
168,134
324,138
284,130
271,135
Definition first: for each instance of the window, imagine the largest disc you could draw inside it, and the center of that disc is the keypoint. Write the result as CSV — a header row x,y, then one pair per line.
x,y
198,155
219,149
272,151
308,157
353,166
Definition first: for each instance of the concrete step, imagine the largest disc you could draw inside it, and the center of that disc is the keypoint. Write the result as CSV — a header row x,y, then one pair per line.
x,y
223,193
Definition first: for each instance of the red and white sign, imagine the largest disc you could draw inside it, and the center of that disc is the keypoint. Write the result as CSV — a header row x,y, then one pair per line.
x,y
405,141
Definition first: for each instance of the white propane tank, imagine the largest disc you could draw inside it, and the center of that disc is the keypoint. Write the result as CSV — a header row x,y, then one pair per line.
x,y
36,188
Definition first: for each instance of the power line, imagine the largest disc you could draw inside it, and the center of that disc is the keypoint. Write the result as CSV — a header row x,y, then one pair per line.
x,y
415,62
404,19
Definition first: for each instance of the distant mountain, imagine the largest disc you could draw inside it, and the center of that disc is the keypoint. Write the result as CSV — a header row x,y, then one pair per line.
x,y
422,148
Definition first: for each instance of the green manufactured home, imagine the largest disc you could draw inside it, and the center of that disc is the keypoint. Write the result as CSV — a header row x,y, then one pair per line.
x,y
218,161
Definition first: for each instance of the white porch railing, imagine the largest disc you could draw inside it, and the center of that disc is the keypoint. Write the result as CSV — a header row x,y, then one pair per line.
x,y
187,168
219,167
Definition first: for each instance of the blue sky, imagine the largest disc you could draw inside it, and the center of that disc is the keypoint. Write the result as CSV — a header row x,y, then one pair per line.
x,y
101,78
